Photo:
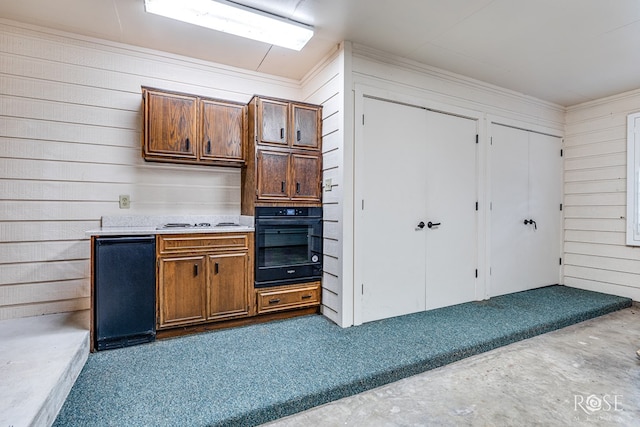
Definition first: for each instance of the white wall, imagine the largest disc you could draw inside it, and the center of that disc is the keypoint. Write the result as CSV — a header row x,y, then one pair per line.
x,y
324,85
70,123
596,257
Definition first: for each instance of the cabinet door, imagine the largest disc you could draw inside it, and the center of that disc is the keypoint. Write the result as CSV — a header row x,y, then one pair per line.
x,y
272,169
170,125
305,127
228,286
181,291
222,131
272,122
306,173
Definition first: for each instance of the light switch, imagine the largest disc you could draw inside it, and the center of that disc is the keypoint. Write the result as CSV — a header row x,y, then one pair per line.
x,y
327,184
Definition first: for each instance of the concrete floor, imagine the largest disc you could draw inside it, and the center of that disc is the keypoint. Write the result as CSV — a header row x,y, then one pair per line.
x,y
585,374
40,358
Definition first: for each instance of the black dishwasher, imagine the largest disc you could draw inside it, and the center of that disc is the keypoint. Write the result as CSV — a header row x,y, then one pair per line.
x,y
124,291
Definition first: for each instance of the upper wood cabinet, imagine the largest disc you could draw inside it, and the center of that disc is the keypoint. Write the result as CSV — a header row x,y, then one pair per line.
x,y
170,126
273,122
223,131
306,126
286,123
184,128
284,159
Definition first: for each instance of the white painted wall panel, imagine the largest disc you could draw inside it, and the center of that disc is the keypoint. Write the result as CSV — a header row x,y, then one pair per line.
x,y
324,86
70,136
596,256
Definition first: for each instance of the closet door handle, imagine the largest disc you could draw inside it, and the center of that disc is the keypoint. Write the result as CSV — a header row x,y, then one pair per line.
x,y
282,186
298,135
187,144
216,268
297,188
209,147
281,133
195,269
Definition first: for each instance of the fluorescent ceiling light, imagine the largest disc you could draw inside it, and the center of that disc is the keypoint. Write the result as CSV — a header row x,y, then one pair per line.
x,y
233,18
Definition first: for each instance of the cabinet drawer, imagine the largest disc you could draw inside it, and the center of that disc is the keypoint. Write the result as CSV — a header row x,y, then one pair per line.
x,y
183,243
286,297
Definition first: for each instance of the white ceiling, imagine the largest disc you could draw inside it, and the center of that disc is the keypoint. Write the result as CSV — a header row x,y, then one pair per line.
x,y
563,51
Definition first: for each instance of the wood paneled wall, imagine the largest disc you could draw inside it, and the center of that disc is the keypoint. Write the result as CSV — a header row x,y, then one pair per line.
x,y
596,256
70,123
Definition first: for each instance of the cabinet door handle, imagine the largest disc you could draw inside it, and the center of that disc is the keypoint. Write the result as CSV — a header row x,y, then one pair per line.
x,y
298,135
282,186
281,133
215,268
297,188
274,300
306,296
209,147
195,269
187,144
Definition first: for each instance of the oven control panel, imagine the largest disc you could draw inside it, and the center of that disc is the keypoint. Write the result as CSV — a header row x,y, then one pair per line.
x,y
290,212
304,211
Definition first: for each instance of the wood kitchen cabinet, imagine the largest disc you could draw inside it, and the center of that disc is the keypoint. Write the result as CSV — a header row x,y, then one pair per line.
x,y
223,131
288,297
203,278
228,285
182,290
284,158
169,126
182,128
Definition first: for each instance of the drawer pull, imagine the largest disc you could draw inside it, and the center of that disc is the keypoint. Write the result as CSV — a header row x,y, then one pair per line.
x,y
274,300
306,296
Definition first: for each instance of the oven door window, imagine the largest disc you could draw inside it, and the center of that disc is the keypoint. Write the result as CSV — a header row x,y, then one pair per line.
x,y
285,245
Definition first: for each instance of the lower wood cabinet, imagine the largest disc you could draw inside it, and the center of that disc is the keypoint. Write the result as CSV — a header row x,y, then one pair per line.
x,y
228,285
288,297
182,290
208,277
203,277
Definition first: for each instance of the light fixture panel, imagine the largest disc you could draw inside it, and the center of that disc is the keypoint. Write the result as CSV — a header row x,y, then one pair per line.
x,y
235,19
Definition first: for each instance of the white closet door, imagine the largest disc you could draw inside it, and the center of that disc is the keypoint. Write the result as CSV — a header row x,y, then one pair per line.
x,y
545,176
509,209
451,171
525,186
390,250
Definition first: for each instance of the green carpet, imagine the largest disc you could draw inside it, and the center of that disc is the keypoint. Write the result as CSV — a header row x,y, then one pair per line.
x,y
250,375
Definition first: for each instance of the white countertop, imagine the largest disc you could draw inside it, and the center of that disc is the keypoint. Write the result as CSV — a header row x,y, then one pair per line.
x,y
152,225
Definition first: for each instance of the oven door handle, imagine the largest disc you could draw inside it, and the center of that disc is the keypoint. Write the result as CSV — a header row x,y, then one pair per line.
x,y
289,222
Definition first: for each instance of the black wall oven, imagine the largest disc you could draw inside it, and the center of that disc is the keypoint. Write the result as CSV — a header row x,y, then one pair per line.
x,y
288,245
